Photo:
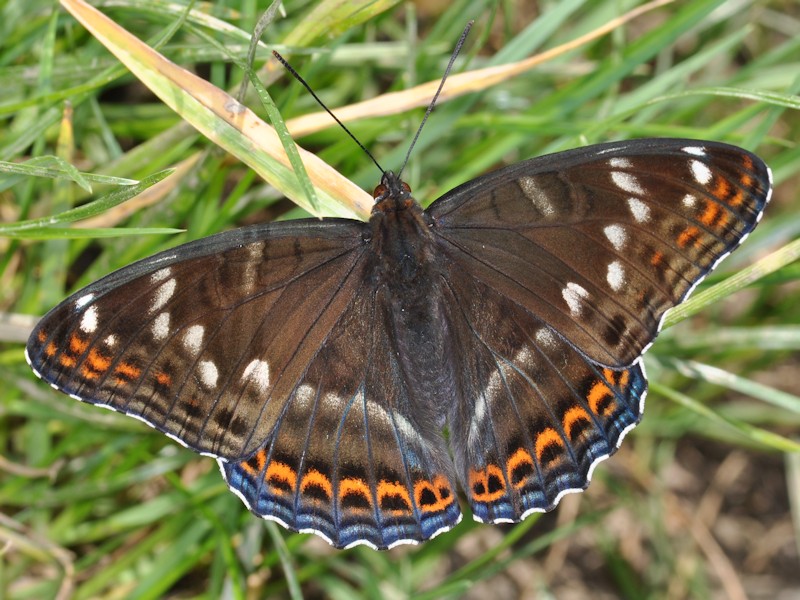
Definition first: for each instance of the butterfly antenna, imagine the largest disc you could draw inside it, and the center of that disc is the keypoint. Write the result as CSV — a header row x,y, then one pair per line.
x,y
297,76
453,57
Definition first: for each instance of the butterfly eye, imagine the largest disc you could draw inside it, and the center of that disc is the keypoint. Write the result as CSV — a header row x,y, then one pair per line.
x,y
380,192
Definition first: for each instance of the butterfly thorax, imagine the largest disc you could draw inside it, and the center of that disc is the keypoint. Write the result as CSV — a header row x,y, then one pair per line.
x,y
400,238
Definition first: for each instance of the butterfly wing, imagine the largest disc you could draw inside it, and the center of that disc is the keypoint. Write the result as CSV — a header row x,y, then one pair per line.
x,y
562,269
536,415
206,341
371,471
268,348
601,242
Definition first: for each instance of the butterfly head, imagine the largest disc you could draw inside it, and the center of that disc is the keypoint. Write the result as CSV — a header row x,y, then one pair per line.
x,y
392,193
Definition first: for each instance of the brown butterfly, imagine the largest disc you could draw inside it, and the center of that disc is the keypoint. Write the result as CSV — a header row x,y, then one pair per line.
x,y
320,362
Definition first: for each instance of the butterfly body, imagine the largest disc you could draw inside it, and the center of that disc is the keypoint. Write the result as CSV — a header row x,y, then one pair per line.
x,y
320,362
407,270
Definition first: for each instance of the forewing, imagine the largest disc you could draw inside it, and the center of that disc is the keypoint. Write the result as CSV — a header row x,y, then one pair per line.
x,y
204,342
600,242
349,459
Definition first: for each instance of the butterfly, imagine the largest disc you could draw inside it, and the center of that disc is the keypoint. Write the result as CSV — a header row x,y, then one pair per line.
x,y
350,377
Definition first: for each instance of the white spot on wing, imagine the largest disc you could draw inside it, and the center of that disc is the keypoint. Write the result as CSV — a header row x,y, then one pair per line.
x,y
332,400
405,427
254,258
110,341
626,182
193,338
696,150
701,172
209,374
161,274
619,163
304,395
545,338
496,388
615,275
689,201
89,320
28,360
84,300
639,210
392,418
258,372
163,294
617,235
574,295
539,199
479,412
160,327
523,357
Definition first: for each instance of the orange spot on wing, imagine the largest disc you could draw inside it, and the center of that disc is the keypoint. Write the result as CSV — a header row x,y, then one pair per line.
x,y
599,393
280,476
690,235
712,215
128,370
314,478
97,361
737,198
163,378
95,364
722,189
433,496
725,191
547,437
616,378
77,345
255,464
87,373
394,489
65,359
574,415
42,336
356,487
746,180
657,260
487,485
522,461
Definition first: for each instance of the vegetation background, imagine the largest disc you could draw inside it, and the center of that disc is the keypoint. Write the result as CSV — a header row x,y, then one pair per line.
x,y
702,499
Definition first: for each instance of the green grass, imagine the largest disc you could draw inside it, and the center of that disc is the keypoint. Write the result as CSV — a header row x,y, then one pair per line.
x,y
95,504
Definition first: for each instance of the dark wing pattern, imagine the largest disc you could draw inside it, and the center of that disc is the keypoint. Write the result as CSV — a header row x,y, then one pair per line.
x,y
562,268
536,416
349,457
209,360
599,243
316,361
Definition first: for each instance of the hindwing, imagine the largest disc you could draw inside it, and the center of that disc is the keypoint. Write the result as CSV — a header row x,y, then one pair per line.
x,y
536,415
349,457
